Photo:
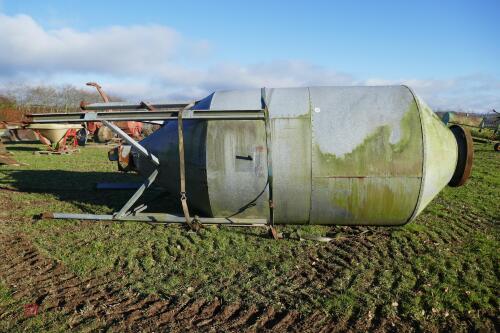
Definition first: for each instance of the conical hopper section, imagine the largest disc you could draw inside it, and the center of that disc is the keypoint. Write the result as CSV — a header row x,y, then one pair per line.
x,y
441,150
53,132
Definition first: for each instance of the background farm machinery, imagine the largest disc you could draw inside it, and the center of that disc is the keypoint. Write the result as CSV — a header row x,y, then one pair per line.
x,y
484,128
102,134
63,138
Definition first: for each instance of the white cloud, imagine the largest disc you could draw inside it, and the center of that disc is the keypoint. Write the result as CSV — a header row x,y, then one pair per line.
x,y
26,46
465,93
157,62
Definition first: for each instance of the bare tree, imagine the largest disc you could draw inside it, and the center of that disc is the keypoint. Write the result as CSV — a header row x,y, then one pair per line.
x,y
57,97
6,102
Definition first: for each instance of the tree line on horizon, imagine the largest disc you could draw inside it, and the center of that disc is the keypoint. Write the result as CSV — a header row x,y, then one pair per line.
x,y
66,97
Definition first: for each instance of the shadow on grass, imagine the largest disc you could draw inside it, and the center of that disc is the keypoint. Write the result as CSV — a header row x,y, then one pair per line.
x,y
79,189
23,148
21,142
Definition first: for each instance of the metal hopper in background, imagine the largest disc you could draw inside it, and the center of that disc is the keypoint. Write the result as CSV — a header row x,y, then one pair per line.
x,y
318,155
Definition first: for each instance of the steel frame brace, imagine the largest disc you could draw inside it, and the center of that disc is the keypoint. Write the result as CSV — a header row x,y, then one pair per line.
x,y
139,115
161,218
133,106
143,151
169,112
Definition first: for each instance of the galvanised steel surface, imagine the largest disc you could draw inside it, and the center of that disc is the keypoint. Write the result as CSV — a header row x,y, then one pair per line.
x,y
163,144
366,155
290,120
236,158
340,155
440,155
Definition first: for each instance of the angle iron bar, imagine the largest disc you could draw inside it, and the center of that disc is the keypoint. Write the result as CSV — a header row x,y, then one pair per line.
x,y
79,117
158,218
132,142
132,106
139,209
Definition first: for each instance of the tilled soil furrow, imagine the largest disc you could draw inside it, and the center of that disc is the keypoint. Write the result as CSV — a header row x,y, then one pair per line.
x,y
283,321
246,318
313,323
261,319
452,234
58,276
166,317
376,323
156,307
131,317
411,246
150,313
469,222
122,307
144,305
191,311
228,312
17,260
460,229
13,268
444,234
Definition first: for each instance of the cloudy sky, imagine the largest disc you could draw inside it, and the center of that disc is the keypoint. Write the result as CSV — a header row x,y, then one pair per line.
x,y
448,51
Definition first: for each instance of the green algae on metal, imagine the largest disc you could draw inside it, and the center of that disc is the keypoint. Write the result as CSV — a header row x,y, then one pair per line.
x,y
227,175
376,183
439,143
377,156
366,201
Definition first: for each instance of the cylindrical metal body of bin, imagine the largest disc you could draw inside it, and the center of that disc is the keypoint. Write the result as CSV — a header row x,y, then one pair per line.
x,y
324,155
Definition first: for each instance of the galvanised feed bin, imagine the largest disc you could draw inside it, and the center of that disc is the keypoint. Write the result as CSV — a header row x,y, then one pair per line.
x,y
325,155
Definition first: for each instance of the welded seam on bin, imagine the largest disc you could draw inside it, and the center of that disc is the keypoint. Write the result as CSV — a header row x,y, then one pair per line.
x,y
311,155
424,159
267,120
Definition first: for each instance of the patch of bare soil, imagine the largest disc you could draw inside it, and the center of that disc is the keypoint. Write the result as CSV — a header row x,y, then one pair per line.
x,y
108,304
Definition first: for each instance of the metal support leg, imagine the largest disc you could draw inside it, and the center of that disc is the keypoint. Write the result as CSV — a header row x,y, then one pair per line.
x,y
147,183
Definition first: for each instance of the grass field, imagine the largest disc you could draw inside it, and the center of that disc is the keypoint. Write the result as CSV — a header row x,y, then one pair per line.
x,y
440,272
